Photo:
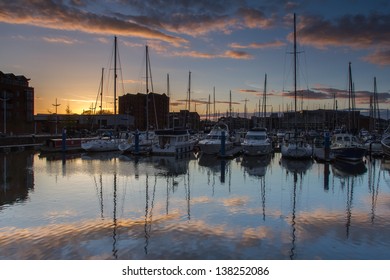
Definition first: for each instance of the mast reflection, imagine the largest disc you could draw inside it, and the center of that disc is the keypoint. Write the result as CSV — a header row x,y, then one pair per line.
x,y
348,172
297,168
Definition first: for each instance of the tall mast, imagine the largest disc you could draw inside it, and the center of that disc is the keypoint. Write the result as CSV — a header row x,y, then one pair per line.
x,y
214,103
147,88
189,91
376,106
169,97
350,89
208,109
265,99
115,76
295,71
101,99
230,103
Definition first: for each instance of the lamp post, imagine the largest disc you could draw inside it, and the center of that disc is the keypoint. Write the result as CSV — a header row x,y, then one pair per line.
x,y
56,105
4,99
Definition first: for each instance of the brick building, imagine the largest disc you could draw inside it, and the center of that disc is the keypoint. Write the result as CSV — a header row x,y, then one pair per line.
x,y
17,101
156,113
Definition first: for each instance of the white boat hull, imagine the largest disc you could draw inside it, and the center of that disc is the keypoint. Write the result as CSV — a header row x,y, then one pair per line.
x,y
100,145
172,150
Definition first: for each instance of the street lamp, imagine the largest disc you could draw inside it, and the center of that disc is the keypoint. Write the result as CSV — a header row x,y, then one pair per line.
x,y
56,105
4,99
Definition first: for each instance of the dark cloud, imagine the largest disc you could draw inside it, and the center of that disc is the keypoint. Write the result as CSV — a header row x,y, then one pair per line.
x,y
361,97
371,32
356,31
250,91
172,21
56,15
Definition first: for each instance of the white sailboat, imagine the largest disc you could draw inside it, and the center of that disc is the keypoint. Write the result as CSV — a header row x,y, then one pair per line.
x,y
107,143
294,146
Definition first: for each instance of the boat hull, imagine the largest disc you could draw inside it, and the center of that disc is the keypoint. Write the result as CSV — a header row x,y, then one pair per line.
x,y
100,145
256,149
294,151
349,153
211,148
173,150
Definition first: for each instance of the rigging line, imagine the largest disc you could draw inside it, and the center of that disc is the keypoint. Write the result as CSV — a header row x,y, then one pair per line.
x,y
120,72
153,95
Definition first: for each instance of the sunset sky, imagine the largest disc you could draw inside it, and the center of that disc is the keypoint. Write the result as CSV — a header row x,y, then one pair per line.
x,y
62,45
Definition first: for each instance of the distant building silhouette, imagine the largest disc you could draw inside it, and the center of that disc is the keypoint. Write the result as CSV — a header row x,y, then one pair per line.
x,y
17,97
154,115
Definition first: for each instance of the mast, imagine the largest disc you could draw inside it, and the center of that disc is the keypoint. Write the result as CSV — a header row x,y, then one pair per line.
x,y
115,76
265,100
376,107
189,91
101,99
208,109
230,103
350,96
214,103
295,72
147,89
169,98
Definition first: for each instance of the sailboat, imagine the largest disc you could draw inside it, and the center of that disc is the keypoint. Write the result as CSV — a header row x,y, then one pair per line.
x,y
145,138
345,145
295,146
373,141
108,143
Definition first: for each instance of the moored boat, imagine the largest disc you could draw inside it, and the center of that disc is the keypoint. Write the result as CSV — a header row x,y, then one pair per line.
x,y
385,142
100,145
345,146
63,145
212,143
295,147
173,142
146,139
256,142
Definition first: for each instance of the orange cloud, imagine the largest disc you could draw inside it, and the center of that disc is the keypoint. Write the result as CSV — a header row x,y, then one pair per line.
x,y
274,44
379,57
253,18
61,40
226,54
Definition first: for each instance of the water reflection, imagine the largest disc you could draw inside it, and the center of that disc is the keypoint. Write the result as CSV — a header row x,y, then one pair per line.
x,y
213,166
374,176
115,207
348,173
296,169
343,169
256,166
17,177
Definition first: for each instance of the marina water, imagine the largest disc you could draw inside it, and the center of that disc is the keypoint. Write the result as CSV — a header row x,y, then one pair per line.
x,y
111,206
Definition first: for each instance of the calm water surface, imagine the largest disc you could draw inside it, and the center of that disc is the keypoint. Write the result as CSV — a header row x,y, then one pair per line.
x,y
110,206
